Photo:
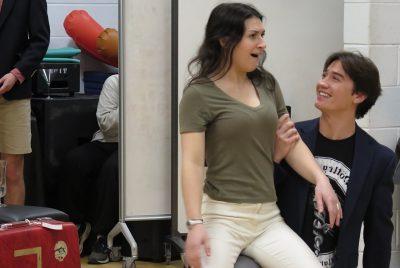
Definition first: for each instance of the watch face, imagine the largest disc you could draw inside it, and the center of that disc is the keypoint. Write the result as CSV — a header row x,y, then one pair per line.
x,y
194,222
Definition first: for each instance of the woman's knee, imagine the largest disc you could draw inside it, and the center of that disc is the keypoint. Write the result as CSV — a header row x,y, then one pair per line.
x,y
281,247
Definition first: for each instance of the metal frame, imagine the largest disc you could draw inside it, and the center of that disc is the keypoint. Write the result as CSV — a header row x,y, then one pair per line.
x,y
121,226
176,236
174,116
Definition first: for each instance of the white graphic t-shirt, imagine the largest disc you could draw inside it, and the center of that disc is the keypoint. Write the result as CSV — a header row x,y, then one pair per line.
x,y
335,158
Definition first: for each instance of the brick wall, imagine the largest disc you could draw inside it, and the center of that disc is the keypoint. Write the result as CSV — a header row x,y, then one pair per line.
x,y
373,28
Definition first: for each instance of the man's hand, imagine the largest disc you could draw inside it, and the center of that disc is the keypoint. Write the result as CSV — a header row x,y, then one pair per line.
x,y
197,238
324,194
286,136
7,82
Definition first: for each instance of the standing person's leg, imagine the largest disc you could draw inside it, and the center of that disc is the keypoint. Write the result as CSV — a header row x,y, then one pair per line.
x,y
15,141
280,247
15,179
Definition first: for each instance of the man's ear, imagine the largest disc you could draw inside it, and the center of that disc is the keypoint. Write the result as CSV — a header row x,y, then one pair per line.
x,y
359,97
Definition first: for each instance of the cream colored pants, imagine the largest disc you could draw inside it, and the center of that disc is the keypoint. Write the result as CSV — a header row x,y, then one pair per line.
x,y
258,231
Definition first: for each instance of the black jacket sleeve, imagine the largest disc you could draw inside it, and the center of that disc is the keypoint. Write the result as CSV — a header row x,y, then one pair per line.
x,y
378,226
39,38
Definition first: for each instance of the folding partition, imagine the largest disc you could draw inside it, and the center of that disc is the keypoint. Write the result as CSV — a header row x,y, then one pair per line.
x,y
145,105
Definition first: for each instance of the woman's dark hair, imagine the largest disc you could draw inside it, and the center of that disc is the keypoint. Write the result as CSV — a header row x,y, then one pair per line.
x,y
226,22
365,76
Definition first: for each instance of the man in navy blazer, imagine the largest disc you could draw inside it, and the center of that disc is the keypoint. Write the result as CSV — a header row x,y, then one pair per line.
x,y
359,168
24,38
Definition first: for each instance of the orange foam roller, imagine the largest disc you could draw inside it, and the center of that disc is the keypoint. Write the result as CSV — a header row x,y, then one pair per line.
x,y
107,45
84,30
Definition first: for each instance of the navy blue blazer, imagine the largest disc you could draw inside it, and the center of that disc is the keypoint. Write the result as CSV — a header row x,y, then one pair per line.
x,y
369,199
24,38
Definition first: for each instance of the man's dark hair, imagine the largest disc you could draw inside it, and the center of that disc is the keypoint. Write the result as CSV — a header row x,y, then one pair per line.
x,y
365,76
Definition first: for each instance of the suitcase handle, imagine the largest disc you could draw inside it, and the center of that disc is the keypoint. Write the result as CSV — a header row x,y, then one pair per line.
x,y
17,224
39,222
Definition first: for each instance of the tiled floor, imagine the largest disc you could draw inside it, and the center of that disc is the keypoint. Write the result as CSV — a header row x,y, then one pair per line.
x,y
139,264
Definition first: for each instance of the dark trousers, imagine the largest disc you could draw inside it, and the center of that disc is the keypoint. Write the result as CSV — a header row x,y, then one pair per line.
x,y
89,188
107,197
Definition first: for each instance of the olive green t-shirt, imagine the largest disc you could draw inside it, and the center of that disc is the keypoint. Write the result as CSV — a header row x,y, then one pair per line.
x,y
239,140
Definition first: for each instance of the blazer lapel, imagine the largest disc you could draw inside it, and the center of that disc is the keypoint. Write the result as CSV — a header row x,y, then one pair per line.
x,y
359,171
5,10
309,134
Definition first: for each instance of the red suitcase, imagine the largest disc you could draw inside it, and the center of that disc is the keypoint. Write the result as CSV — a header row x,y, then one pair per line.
x,y
41,243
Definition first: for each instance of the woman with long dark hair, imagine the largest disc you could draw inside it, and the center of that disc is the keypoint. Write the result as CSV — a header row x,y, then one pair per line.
x,y
228,117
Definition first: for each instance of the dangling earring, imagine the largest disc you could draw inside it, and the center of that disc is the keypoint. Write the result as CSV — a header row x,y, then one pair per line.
x,y
263,58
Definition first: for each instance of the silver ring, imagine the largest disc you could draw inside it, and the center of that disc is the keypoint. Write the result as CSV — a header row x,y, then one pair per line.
x,y
338,205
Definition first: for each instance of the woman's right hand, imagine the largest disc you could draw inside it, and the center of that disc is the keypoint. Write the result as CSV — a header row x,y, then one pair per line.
x,y
196,240
285,137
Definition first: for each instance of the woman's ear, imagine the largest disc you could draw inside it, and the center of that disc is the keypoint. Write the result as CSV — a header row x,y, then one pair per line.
x,y
222,41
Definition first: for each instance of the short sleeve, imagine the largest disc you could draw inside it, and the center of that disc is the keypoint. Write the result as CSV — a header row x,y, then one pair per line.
x,y
193,112
279,101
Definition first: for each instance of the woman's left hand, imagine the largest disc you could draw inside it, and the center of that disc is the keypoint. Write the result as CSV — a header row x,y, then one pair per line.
x,y
324,194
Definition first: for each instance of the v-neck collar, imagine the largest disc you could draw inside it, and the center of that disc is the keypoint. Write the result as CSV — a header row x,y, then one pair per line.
x,y
259,106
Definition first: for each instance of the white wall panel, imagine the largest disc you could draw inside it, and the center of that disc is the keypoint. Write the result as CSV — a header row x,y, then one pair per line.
x,y
385,136
146,107
385,111
384,23
356,23
386,59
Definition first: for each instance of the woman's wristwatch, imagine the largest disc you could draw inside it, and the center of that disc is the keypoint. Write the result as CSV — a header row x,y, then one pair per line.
x,y
192,222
